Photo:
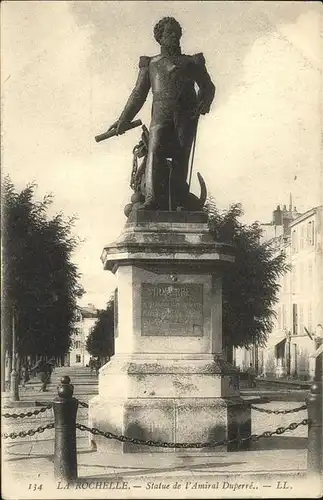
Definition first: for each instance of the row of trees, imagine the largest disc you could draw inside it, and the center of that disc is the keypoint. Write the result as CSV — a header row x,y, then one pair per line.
x,y
40,282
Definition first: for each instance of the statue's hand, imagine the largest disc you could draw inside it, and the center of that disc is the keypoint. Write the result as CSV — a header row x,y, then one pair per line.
x,y
114,125
202,108
118,126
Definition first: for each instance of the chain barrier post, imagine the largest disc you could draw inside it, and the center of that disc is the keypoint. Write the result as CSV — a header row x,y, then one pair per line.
x,y
315,427
65,410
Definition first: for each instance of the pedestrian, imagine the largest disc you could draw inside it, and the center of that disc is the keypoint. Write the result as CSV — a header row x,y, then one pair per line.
x,y
91,364
51,365
97,366
24,375
251,376
44,370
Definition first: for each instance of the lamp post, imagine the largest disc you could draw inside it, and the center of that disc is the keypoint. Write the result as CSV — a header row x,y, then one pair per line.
x,y
14,378
288,353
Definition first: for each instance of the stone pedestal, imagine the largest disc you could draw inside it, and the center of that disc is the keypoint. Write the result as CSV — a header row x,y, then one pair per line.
x,y
168,379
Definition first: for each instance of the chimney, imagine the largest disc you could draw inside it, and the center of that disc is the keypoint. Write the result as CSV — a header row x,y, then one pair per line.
x,y
277,216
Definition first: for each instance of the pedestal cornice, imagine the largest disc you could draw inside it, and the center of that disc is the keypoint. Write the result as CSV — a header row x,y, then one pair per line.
x,y
166,237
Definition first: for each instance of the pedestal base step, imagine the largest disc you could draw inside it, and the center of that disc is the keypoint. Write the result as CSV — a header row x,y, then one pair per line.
x,y
187,420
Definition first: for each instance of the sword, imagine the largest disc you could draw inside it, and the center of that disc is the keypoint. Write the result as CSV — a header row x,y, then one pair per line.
x,y
193,153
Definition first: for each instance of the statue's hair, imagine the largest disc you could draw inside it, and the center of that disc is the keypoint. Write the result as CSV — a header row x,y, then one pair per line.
x,y
159,27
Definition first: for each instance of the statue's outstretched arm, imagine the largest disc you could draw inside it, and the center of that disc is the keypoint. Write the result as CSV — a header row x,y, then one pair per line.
x,y
205,84
139,94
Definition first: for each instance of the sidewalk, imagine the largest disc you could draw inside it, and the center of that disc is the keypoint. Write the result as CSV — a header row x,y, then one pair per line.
x,y
85,387
29,463
35,458
294,383
28,469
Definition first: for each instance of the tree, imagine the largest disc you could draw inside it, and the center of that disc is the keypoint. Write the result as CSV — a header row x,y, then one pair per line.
x,y
40,281
250,285
100,342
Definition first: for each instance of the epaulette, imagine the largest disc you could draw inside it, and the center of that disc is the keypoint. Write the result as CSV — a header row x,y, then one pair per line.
x,y
199,58
144,61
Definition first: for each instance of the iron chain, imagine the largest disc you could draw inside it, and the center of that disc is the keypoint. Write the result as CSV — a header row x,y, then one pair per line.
x,y
28,414
31,432
281,430
279,412
163,444
276,412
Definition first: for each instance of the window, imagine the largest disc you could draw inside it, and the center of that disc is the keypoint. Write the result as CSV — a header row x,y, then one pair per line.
x,y
294,280
279,317
309,317
313,234
78,358
284,316
301,319
77,344
309,233
301,276
310,275
302,237
294,241
295,320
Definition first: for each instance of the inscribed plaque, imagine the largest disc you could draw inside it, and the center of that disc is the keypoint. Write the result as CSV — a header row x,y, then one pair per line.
x,y
172,310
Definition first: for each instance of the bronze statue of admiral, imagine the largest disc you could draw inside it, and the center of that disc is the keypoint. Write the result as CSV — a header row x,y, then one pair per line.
x,y
173,78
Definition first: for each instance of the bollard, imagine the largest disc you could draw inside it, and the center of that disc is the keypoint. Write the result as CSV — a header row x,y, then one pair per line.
x,y
65,410
315,427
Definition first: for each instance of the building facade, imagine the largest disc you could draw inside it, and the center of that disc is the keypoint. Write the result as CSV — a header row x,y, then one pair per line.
x,y
85,321
299,320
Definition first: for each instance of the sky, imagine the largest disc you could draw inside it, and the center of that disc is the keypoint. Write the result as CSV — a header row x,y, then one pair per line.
x,y
69,67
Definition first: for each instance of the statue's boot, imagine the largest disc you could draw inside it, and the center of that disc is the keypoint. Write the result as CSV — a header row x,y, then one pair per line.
x,y
148,204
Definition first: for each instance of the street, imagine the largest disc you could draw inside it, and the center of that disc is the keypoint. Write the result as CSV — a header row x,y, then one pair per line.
x,y
271,395
86,386
28,461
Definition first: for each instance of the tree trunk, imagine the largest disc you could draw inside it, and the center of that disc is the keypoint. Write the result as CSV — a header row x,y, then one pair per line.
x,y
256,360
229,353
3,369
9,370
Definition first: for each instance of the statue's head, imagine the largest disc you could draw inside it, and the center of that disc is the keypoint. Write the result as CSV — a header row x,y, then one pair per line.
x,y
168,32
